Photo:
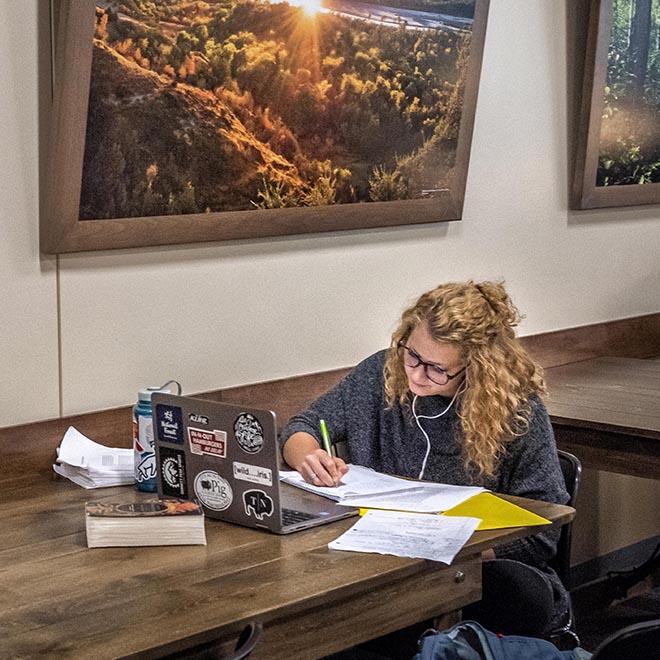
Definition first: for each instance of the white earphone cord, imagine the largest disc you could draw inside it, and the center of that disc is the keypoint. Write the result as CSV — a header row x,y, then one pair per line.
x,y
424,433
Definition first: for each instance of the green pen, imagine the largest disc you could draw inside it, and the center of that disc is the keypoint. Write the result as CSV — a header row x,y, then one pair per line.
x,y
327,445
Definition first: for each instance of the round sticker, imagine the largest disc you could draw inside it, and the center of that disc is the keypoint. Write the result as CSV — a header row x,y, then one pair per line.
x,y
249,433
213,491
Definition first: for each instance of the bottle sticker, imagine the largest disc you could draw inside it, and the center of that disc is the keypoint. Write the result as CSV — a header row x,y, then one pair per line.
x,y
213,491
213,443
169,424
253,473
145,467
173,472
145,437
257,503
249,433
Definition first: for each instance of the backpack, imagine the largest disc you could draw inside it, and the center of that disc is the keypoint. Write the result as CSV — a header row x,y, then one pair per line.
x,y
469,640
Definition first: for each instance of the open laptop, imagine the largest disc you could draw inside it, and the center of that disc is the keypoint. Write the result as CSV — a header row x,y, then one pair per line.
x,y
227,457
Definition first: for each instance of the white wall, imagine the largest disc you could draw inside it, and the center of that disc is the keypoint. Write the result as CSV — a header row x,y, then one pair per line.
x,y
219,315
28,290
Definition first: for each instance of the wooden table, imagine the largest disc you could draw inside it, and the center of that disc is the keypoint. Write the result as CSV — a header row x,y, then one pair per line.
x,y
607,412
61,599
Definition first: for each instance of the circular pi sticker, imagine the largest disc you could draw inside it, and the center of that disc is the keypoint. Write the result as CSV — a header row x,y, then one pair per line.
x,y
213,491
249,433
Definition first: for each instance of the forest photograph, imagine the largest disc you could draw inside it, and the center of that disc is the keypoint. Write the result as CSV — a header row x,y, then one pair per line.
x,y
629,147
199,107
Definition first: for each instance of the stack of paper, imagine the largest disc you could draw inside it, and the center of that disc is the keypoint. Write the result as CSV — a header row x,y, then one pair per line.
x,y
363,487
92,465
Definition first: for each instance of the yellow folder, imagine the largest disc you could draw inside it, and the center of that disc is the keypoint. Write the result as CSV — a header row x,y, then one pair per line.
x,y
495,513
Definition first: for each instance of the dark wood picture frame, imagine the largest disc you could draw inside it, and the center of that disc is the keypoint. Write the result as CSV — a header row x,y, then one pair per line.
x,y
62,230
585,193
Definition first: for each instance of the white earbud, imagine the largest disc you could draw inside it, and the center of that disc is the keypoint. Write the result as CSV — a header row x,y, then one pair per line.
x,y
424,433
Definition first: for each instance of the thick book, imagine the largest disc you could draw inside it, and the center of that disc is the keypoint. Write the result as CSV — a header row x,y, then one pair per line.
x,y
152,521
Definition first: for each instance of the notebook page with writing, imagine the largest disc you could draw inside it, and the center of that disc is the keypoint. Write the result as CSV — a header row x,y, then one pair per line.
x,y
363,487
357,481
427,497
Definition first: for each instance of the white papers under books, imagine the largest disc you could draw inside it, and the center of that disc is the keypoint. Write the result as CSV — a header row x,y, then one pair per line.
x,y
363,487
151,521
415,535
92,465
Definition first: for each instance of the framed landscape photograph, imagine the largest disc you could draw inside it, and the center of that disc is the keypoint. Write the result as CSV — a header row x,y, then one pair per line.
x,y
183,121
618,143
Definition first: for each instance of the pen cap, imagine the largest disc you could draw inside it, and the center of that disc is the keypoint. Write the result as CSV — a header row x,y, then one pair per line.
x,y
171,387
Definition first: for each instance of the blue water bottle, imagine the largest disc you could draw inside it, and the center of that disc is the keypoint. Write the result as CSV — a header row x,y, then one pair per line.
x,y
143,436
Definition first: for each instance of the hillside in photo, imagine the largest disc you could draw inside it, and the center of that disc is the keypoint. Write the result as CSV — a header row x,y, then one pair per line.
x,y
239,104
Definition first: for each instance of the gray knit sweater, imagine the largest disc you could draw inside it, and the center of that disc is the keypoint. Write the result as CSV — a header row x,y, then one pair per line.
x,y
388,440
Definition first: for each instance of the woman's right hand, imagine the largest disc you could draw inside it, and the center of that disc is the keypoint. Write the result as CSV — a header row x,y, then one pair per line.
x,y
321,469
316,466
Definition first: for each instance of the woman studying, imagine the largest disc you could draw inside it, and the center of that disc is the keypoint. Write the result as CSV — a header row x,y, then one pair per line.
x,y
454,399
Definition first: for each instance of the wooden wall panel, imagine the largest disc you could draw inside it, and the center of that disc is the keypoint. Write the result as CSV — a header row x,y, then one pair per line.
x,y
638,336
30,448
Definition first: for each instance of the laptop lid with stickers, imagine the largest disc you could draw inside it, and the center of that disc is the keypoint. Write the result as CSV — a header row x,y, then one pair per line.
x,y
227,458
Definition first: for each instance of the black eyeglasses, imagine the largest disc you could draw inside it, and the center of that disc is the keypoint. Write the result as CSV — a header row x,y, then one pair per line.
x,y
433,372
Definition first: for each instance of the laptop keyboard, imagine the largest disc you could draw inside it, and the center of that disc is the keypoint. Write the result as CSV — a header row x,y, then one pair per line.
x,y
291,516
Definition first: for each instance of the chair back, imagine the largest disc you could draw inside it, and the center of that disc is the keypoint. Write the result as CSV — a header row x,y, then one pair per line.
x,y
641,640
248,638
571,468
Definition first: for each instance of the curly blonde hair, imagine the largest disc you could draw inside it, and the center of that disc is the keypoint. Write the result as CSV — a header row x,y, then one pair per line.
x,y
499,374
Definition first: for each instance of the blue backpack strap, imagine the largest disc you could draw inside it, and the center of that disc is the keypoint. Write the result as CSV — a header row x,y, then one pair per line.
x,y
460,642
469,640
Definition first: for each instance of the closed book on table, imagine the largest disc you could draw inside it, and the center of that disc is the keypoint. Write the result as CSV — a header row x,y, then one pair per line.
x,y
151,521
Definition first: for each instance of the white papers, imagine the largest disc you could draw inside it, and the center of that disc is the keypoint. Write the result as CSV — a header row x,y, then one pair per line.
x,y
363,487
358,480
414,535
427,498
92,465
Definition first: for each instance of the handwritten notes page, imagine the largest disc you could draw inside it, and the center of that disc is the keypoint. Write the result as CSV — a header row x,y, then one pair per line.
x,y
358,480
414,535
424,498
363,487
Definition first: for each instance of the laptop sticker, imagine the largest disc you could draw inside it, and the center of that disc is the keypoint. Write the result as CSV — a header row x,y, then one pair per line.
x,y
169,424
213,491
198,419
173,472
253,473
249,433
202,441
257,504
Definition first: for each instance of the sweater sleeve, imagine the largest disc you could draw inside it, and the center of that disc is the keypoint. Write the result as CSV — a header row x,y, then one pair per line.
x,y
531,469
354,395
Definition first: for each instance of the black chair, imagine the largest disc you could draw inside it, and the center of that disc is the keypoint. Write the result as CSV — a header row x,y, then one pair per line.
x,y
636,642
516,599
248,638
507,581
571,468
